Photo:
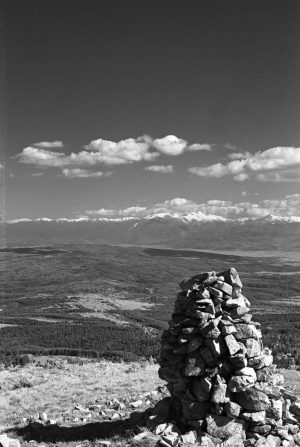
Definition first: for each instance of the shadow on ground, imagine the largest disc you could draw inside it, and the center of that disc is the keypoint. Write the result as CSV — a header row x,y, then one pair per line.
x,y
56,433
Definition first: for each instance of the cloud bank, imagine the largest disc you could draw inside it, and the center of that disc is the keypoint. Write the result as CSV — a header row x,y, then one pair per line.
x,y
108,153
272,165
288,206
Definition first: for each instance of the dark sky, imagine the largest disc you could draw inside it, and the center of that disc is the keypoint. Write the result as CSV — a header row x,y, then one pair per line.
x,y
222,72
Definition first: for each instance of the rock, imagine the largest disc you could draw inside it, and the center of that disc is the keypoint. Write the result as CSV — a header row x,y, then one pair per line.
x,y
206,441
190,437
240,383
194,344
295,408
261,429
252,399
104,443
199,391
224,287
239,312
219,391
238,361
194,410
265,374
195,365
232,344
257,416
171,438
273,441
227,329
247,371
5,441
296,438
231,277
247,331
236,302
275,409
223,427
136,404
217,347
236,440
253,347
232,409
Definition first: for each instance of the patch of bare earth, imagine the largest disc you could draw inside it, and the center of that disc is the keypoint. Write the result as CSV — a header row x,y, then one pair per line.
x,y
107,306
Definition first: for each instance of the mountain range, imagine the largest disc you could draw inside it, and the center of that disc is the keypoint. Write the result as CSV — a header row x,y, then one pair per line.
x,y
193,230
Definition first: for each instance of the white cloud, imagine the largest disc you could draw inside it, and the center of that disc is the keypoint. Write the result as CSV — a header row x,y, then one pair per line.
x,y
160,168
42,157
288,206
170,145
275,164
238,155
49,144
117,153
81,173
200,147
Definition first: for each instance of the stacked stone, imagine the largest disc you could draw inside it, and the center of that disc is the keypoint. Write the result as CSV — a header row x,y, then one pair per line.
x,y
220,377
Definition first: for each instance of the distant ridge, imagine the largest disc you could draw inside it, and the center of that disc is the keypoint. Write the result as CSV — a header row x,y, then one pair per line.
x,y
192,217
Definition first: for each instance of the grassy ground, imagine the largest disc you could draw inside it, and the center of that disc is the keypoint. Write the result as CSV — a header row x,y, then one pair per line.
x,y
80,397
26,392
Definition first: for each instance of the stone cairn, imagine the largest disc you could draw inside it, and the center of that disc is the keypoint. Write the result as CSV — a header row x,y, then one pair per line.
x,y
220,378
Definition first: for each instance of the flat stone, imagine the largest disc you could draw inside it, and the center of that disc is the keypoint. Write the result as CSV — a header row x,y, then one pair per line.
x,y
275,410
247,331
261,429
236,302
227,329
215,292
231,277
171,438
239,312
206,441
194,344
232,344
194,365
240,383
236,440
256,416
223,427
253,347
190,437
208,356
219,391
200,391
296,438
232,409
238,361
247,371
252,399
265,374
224,287
273,441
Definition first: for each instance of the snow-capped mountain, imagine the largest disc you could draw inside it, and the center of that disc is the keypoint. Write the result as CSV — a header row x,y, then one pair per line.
x,y
190,230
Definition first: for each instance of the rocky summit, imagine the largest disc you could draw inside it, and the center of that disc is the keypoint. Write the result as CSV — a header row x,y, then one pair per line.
x,y
222,381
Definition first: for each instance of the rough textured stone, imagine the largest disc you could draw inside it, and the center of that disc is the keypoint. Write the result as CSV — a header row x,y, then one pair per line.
x,y
232,409
252,399
223,427
220,378
232,344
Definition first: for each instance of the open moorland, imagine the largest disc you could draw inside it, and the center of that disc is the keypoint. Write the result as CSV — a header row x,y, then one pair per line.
x,y
113,302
